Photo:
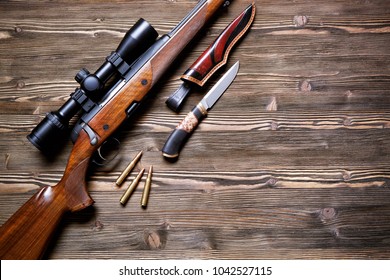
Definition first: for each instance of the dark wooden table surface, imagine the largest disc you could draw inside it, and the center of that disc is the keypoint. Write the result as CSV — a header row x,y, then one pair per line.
x,y
292,162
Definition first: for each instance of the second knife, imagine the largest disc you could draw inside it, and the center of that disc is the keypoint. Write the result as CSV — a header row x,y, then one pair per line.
x,y
181,133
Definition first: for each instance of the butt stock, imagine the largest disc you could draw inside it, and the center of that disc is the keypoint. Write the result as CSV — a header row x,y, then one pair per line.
x,y
28,232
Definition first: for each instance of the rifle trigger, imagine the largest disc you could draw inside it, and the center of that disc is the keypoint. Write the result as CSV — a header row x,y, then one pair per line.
x,y
107,152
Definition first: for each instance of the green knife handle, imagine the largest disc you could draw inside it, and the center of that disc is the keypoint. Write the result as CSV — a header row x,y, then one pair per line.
x,y
217,53
182,132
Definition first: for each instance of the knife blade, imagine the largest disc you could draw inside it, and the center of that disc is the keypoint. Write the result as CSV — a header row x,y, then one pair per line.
x,y
182,132
213,58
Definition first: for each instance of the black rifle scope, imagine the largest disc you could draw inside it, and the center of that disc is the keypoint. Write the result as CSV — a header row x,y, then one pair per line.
x,y
47,135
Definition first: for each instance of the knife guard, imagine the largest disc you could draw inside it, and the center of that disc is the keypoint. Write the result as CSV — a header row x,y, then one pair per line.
x,y
214,57
182,132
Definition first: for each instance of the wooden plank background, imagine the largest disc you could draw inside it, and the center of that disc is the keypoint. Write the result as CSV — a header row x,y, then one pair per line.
x,y
292,162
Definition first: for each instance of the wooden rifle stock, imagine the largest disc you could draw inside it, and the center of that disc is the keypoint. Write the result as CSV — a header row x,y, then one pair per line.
x,y
27,233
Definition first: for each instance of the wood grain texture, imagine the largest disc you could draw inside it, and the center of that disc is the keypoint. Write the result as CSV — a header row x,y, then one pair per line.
x,y
292,162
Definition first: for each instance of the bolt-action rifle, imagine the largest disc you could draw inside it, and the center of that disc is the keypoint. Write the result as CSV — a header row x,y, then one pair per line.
x,y
27,233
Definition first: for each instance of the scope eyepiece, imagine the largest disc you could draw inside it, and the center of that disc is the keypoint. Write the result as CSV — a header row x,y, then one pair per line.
x,y
53,129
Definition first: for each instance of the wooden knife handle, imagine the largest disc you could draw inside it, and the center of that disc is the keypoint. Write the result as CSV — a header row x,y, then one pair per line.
x,y
179,136
217,53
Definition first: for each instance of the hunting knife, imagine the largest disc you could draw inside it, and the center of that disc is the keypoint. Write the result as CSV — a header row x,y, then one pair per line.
x,y
181,133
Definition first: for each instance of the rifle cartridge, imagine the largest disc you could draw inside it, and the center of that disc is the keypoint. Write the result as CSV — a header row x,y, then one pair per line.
x,y
148,183
128,169
125,197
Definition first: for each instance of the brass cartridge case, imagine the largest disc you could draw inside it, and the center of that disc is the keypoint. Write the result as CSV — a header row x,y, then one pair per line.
x,y
128,169
125,197
148,183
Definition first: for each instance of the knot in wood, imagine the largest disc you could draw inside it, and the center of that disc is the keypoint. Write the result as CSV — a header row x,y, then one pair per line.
x,y
305,86
20,84
327,214
153,240
347,122
346,176
272,182
348,93
274,125
97,226
300,21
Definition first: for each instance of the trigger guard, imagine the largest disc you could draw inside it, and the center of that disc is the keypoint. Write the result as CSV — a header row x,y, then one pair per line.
x,y
103,160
